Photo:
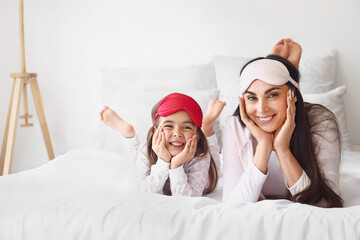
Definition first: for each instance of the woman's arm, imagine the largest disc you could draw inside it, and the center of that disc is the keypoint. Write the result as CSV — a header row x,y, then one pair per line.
x,y
243,181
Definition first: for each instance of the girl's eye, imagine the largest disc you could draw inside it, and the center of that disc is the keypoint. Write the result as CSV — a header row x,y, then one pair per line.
x,y
187,128
167,126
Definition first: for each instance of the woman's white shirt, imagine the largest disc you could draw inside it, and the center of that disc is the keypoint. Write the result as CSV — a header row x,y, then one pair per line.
x,y
243,181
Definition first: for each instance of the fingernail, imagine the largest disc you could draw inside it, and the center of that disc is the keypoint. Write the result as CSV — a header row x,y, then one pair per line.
x,y
289,94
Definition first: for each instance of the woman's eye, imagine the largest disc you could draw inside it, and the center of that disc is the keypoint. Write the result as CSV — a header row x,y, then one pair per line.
x,y
272,95
251,98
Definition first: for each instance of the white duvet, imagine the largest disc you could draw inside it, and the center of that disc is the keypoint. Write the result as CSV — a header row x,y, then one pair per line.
x,y
90,194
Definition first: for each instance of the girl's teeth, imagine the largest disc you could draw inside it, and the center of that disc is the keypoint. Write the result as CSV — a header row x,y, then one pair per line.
x,y
177,144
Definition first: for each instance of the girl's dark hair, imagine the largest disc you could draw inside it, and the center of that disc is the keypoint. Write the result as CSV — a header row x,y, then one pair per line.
x,y
201,150
303,145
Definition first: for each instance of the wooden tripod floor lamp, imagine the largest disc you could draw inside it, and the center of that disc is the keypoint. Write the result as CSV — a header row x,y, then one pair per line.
x,y
21,80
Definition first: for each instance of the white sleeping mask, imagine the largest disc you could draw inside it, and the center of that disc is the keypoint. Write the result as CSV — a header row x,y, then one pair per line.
x,y
269,71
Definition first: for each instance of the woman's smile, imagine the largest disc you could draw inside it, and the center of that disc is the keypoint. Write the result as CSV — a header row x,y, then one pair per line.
x,y
266,119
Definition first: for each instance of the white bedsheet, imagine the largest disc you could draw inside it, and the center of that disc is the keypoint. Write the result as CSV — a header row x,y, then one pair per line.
x,y
89,194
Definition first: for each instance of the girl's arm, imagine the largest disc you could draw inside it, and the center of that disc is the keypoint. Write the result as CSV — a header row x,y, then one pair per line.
x,y
151,178
193,180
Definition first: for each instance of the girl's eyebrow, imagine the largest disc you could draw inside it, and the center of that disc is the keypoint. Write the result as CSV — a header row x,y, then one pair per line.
x,y
168,121
187,122
266,92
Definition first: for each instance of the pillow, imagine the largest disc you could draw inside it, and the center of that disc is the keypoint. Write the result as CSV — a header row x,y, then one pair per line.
x,y
334,101
227,72
317,72
194,77
135,107
317,75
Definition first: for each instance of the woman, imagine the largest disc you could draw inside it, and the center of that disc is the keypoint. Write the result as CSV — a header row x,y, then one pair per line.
x,y
275,145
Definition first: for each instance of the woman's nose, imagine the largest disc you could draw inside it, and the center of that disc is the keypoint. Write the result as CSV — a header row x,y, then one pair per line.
x,y
262,107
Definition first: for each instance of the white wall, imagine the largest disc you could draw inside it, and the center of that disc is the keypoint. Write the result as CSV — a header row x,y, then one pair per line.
x,y
68,40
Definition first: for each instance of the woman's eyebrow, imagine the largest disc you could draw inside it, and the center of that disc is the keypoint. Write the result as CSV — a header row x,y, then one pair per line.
x,y
251,93
271,89
266,92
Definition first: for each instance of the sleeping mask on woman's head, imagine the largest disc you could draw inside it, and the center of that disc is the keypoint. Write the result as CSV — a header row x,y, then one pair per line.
x,y
175,102
269,71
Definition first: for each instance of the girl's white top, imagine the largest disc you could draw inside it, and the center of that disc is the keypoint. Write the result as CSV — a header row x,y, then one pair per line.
x,y
190,179
243,181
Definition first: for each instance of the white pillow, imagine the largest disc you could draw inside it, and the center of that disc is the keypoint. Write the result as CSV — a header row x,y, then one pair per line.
x,y
193,77
317,72
135,107
227,71
334,101
317,75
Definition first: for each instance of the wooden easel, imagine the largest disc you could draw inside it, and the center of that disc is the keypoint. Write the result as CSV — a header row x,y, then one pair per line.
x,y
21,80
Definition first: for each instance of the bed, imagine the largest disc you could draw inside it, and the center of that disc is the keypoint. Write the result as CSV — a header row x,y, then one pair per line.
x,y
89,193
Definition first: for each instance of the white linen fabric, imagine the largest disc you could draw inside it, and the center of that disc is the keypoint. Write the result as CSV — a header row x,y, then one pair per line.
x,y
243,181
90,194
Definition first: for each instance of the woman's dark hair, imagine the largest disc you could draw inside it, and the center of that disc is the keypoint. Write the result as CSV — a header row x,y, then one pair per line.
x,y
201,149
303,145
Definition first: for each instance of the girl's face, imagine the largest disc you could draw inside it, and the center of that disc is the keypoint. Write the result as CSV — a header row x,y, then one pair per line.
x,y
266,105
178,128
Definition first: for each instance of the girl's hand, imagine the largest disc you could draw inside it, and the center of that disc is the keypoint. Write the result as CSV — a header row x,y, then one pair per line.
x,y
186,154
260,135
158,145
284,133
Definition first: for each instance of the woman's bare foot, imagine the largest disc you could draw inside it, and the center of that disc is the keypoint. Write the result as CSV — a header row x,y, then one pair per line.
x,y
111,119
281,48
288,49
213,111
295,53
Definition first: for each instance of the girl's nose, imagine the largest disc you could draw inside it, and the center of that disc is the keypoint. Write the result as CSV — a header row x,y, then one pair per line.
x,y
177,133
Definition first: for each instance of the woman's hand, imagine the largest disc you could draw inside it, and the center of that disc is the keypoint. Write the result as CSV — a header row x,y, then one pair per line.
x,y
284,133
158,145
262,137
186,154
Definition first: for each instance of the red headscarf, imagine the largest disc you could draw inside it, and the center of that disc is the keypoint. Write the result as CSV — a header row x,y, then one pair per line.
x,y
175,102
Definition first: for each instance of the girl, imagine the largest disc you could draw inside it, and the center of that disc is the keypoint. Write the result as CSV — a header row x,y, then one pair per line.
x,y
275,145
181,156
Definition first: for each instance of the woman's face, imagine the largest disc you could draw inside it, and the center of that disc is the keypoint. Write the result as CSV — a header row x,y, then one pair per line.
x,y
178,128
266,105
